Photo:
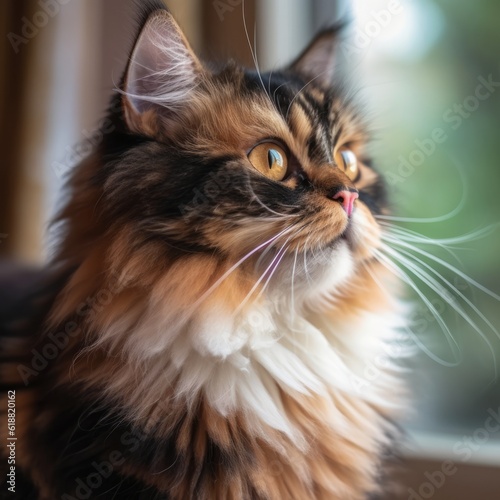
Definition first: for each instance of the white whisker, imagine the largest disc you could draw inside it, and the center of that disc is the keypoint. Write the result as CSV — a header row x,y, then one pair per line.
x,y
428,352
259,281
443,293
445,264
283,252
238,264
306,270
442,218
270,210
454,289
300,91
389,264
294,268
403,234
252,51
412,236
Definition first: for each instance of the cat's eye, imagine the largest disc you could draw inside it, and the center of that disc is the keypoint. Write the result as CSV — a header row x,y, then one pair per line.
x,y
269,159
348,162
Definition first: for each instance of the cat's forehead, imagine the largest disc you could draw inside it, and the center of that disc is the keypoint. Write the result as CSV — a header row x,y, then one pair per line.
x,y
238,107
288,88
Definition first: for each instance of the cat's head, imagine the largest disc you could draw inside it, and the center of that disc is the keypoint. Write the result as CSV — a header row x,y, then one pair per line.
x,y
268,171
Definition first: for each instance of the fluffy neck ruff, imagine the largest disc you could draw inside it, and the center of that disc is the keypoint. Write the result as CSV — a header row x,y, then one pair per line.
x,y
307,386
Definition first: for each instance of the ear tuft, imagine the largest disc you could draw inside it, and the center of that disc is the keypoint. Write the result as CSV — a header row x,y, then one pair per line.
x,y
162,71
317,61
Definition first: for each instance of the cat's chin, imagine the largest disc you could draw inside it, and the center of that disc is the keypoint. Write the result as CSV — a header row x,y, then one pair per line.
x,y
326,268
361,236
312,273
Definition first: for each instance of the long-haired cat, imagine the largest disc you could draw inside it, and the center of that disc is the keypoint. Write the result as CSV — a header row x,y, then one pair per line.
x,y
206,326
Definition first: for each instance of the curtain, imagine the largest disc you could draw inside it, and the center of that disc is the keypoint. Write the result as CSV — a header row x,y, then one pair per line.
x,y
17,53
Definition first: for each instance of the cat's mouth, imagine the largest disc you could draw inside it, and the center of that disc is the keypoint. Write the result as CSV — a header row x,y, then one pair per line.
x,y
344,239
345,236
361,235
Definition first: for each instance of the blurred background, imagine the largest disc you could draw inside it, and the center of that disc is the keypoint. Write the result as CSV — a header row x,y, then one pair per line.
x,y
429,73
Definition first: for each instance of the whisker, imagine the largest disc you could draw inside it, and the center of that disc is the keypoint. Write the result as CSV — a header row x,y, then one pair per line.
x,y
300,91
445,264
409,352
276,90
409,235
252,51
237,265
298,226
404,276
190,310
269,81
306,270
273,271
444,293
428,352
294,268
258,282
431,220
270,210
403,234
454,289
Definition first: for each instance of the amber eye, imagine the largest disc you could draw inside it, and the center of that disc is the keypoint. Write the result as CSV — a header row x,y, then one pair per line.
x,y
269,159
347,161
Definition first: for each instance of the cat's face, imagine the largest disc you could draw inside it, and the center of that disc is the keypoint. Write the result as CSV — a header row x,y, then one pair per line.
x,y
268,168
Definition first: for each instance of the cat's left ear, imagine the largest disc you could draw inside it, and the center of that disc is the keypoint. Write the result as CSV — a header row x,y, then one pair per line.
x,y
317,61
162,73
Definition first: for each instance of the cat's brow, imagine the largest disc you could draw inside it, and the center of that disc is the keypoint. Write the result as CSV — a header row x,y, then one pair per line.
x,y
317,108
321,143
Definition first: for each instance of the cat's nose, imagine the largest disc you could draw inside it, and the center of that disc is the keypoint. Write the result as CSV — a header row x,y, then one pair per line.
x,y
346,199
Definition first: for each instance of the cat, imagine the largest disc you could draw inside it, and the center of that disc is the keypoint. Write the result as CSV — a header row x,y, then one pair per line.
x,y
205,327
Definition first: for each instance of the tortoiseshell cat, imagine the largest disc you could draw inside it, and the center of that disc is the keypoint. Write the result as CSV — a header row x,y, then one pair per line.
x,y
215,302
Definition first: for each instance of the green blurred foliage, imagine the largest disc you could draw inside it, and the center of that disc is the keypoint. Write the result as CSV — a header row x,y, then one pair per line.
x,y
468,48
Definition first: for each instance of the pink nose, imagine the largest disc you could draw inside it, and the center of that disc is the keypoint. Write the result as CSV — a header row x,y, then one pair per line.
x,y
346,199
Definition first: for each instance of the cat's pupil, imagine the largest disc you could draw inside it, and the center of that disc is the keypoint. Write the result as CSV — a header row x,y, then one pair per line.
x,y
274,158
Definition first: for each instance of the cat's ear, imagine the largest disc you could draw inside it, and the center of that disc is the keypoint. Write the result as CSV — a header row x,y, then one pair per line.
x,y
162,72
317,61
